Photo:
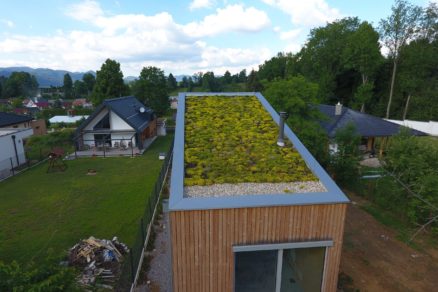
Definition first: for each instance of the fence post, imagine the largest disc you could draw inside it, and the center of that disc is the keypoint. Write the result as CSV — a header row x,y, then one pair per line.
x,y
142,230
12,166
132,266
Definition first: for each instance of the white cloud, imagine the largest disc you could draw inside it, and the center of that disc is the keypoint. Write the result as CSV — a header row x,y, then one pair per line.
x,y
230,18
7,22
87,10
307,13
197,4
137,40
290,35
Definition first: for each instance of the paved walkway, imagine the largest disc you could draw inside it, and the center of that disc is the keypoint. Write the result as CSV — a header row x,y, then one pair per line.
x,y
159,275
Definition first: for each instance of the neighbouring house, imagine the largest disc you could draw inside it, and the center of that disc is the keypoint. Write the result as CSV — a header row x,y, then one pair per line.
x,y
82,102
118,121
368,127
12,152
173,102
430,127
39,127
10,120
250,208
30,111
67,119
161,127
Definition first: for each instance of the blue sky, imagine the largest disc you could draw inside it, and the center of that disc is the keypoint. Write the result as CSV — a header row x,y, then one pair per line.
x,y
181,37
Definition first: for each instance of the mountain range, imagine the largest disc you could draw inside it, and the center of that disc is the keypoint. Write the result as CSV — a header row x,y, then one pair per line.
x,y
50,77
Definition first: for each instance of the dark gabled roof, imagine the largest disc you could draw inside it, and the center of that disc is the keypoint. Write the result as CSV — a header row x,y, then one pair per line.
x,y
366,125
8,119
128,109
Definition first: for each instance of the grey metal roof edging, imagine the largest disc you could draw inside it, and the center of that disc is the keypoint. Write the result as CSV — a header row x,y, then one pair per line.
x,y
178,202
286,245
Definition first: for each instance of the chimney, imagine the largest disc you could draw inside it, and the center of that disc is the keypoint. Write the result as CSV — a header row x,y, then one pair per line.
x,y
338,109
283,117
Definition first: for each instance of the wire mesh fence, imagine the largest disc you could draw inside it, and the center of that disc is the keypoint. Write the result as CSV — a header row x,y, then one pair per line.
x,y
132,264
14,165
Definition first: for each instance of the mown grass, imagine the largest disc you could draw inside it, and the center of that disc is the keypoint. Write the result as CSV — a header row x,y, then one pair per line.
x,y
42,210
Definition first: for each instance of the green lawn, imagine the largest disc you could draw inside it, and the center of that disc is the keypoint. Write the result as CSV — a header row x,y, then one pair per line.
x,y
40,210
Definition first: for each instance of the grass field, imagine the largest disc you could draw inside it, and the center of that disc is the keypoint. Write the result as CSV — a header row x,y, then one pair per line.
x,y
40,210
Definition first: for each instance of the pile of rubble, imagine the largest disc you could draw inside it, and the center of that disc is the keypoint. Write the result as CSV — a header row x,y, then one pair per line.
x,y
99,260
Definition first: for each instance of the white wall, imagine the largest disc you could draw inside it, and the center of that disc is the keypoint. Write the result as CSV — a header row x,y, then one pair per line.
x,y
117,123
97,119
7,147
430,127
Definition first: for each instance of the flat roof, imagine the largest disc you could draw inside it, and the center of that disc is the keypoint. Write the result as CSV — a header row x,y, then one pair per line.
x,y
179,201
10,131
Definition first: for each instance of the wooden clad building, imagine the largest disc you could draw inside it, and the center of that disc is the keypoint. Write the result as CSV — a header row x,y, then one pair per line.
x,y
254,242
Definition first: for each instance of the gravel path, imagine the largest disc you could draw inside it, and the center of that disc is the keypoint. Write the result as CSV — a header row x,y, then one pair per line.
x,y
159,273
219,190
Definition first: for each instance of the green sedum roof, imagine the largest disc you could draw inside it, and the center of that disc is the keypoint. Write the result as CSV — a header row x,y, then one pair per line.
x,y
233,139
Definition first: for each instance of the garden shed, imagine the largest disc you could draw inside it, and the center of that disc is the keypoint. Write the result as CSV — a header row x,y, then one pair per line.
x,y
250,208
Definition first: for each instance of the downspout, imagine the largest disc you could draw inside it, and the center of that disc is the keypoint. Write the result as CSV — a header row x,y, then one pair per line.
x,y
15,148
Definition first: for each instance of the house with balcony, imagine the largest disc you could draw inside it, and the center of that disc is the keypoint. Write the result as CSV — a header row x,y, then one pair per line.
x,y
116,125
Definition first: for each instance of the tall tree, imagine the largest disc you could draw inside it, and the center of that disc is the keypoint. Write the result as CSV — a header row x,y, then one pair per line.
x,y
395,31
362,54
320,60
210,83
227,77
171,82
242,76
89,81
109,82
67,86
296,96
151,87
20,84
253,83
80,89
273,68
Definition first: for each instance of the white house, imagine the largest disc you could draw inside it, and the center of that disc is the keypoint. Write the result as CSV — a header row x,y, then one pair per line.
x,y
66,119
12,148
429,127
116,122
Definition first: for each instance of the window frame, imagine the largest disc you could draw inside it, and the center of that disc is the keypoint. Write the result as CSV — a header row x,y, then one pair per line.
x,y
280,247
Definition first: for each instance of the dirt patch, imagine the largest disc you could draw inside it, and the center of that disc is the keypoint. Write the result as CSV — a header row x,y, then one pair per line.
x,y
377,261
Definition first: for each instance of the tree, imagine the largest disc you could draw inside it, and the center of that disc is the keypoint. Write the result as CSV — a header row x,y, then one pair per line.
x,y
321,59
242,76
80,89
253,83
297,97
362,54
227,77
89,81
20,84
273,68
171,82
67,86
345,162
210,83
151,87
109,82
395,31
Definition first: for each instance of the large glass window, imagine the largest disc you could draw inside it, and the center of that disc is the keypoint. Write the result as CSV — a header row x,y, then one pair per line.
x,y
302,269
256,271
279,269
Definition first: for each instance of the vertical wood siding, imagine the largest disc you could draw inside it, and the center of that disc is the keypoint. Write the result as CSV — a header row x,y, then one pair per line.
x,y
202,241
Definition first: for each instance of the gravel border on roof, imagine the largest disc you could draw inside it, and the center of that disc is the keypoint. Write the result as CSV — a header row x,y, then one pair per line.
x,y
222,190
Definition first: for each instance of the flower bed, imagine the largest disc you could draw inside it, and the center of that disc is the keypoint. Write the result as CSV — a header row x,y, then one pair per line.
x,y
234,140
